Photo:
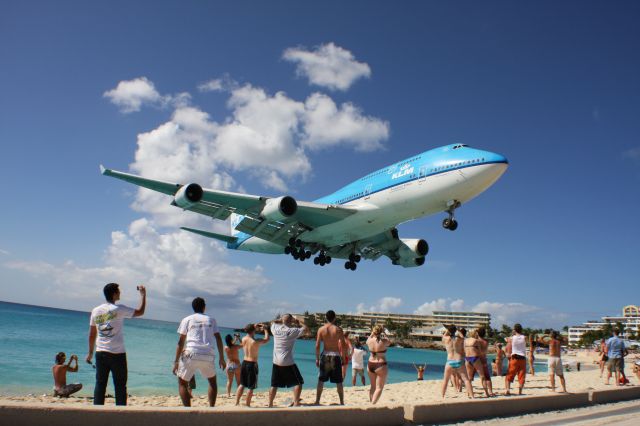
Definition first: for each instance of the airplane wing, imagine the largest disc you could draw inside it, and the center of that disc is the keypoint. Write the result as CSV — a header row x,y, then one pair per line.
x,y
264,217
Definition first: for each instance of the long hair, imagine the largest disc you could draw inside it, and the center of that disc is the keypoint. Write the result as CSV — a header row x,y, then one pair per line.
x,y
377,331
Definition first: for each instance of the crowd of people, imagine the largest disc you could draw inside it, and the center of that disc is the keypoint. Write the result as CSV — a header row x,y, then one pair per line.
x,y
199,338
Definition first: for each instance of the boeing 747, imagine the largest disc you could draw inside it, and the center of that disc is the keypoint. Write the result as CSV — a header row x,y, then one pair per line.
x,y
354,223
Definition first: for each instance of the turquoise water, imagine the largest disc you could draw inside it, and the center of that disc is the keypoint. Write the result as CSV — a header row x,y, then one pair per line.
x,y
30,336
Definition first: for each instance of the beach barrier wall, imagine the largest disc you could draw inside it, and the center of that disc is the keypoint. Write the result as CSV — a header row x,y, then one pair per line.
x,y
449,412
17,415
615,395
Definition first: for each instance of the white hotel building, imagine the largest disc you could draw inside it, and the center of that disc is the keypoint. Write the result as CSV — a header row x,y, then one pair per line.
x,y
630,319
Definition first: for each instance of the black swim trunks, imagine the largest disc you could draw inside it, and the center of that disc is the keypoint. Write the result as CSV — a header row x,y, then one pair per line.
x,y
249,374
330,368
286,377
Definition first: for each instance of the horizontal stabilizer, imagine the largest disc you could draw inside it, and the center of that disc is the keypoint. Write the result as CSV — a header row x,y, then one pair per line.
x,y
225,238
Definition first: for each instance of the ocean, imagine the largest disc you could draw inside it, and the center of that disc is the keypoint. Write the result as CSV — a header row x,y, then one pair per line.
x,y
30,337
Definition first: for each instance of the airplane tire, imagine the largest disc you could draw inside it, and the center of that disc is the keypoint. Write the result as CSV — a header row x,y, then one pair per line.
x,y
353,266
446,224
295,255
302,258
347,265
357,258
327,260
292,241
352,257
454,225
322,262
287,250
298,243
307,254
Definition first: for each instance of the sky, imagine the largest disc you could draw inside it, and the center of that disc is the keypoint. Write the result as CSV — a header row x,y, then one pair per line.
x,y
301,98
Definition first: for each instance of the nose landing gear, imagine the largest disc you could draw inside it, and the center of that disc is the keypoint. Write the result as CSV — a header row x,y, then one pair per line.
x,y
450,223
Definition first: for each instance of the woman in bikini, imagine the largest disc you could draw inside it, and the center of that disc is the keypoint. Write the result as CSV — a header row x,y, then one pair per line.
x,y
377,367
233,360
454,368
473,356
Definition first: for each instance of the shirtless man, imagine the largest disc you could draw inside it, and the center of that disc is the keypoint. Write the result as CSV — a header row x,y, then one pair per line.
x,y
453,341
249,368
555,362
484,347
332,357
473,356
60,369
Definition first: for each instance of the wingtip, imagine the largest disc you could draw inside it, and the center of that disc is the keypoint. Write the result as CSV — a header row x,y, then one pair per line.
x,y
102,169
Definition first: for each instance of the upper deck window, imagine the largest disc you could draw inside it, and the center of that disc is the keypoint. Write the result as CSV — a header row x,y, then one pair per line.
x,y
459,146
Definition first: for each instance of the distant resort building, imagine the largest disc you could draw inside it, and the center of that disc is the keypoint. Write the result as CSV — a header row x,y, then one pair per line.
x,y
630,319
424,326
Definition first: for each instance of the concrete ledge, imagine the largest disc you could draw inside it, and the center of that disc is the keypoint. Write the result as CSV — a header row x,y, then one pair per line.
x,y
23,414
450,412
624,393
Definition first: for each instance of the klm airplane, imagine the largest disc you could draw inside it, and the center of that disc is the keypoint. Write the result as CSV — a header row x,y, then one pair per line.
x,y
354,223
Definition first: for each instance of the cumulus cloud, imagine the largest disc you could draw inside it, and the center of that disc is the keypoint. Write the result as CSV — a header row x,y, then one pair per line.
x,y
130,95
175,266
385,304
328,66
501,313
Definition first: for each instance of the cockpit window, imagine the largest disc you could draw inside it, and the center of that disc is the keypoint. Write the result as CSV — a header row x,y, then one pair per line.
x,y
459,146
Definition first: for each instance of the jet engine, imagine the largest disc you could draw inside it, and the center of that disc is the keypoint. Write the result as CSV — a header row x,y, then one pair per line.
x,y
188,195
279,208
411,252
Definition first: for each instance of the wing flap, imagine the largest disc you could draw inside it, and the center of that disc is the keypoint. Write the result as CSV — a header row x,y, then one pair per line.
x,y
225,238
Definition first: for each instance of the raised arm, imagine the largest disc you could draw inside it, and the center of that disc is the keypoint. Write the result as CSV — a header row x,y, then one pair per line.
x,y
69,367
143,303
266,337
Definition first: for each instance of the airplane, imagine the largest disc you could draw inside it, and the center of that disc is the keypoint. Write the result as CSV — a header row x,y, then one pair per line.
x,y
357,221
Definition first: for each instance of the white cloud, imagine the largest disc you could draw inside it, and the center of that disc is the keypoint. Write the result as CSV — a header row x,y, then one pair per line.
x,y
326,125
215,85
385,304
130,95
501,313
328,66
175,267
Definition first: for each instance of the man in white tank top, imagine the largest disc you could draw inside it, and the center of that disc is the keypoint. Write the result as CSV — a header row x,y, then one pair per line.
x,y
516,352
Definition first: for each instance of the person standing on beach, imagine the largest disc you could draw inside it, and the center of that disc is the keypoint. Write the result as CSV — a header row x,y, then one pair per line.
x,y
603,355
615,351
377,367
249,368
517,354
555,362
195,352
453,341
357,363
60,369
484,348
231,350
329,362
532,356
473,358
285,373
348,355
106,337
499,359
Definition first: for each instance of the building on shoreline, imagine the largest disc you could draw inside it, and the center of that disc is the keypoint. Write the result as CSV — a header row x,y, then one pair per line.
x,y
422,326
630,320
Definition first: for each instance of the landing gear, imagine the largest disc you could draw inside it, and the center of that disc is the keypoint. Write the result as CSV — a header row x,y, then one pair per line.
x,y
450,223
322,259
350,265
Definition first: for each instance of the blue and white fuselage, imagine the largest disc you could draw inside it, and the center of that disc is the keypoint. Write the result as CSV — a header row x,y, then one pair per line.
x,y
422,185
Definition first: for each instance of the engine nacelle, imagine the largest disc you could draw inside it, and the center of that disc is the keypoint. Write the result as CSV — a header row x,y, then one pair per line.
x,y
411,252
188,195
279,208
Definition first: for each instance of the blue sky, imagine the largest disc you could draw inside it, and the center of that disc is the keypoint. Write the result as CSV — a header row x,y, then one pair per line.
x,y
553,86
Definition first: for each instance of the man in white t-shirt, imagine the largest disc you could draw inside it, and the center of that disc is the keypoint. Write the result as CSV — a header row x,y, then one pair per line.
x,y
285,372
195,352
357,363
106,337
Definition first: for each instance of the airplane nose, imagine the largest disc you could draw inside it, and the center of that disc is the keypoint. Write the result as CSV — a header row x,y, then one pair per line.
x,y
492,157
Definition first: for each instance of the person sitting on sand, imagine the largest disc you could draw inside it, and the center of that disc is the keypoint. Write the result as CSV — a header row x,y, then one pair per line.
x,y
517,353
249,369
473,358
555,362
231,350
329,362
420,370
484,348
453,341
499,359
60,369
377,367
285,372
357,363
195,352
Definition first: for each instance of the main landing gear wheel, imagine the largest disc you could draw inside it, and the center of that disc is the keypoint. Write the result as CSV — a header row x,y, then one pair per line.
x,y
350,265
322,259
450,224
